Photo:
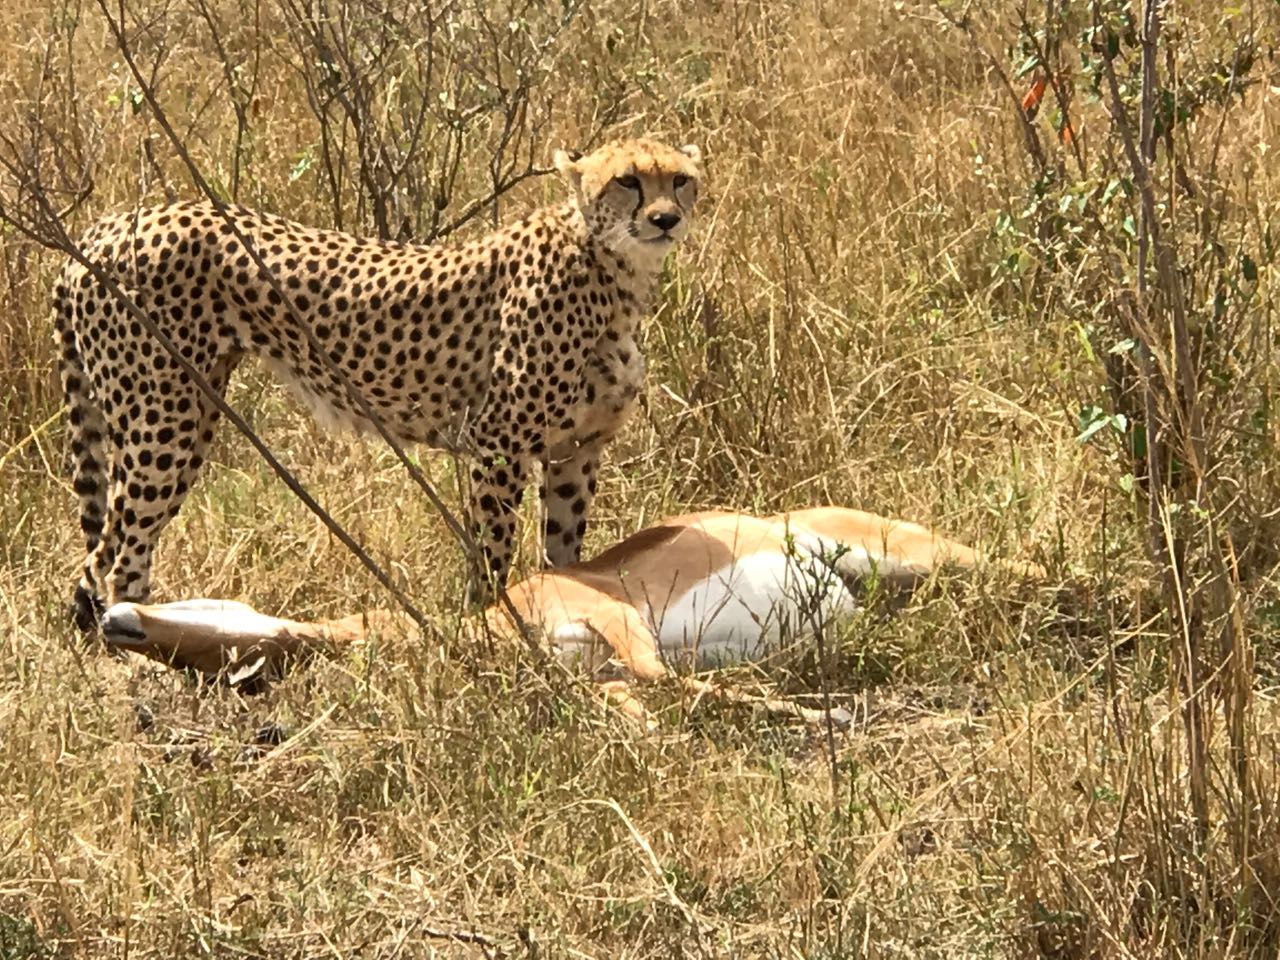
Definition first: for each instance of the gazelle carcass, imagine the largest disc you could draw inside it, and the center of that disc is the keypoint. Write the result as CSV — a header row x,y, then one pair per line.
x,y
695,591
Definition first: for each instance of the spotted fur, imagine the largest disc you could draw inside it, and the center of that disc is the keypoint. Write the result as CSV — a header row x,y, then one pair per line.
x,y
516,350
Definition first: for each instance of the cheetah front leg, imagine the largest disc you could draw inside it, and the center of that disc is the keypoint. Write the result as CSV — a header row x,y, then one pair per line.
x,y
612,380
568,487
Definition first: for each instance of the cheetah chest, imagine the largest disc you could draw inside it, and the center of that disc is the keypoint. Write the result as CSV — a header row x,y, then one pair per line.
x,y
612,377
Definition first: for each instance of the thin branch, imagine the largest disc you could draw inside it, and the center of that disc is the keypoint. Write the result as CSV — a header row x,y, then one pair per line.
x,y
1029,136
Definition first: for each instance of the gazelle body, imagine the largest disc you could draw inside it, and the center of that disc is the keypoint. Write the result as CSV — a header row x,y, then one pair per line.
x,y
700,590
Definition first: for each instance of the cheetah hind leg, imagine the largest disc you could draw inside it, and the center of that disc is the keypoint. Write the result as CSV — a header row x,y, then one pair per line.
x,y
163,449
87,432
496,484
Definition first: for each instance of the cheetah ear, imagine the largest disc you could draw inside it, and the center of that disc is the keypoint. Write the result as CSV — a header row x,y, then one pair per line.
x,y
692,152
566,162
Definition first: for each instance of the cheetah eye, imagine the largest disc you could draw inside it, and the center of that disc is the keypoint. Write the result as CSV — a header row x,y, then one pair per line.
x,y
628,182
679,180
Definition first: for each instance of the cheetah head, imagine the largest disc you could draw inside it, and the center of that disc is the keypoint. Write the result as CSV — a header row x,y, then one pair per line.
x,y
635,195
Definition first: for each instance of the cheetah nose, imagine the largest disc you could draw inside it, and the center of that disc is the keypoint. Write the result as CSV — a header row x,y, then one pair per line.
x,y
664,221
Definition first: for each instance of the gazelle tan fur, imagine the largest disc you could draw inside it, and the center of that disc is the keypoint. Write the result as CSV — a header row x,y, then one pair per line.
x,y
697,591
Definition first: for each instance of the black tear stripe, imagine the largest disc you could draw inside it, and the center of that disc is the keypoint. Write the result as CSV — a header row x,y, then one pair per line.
x,y
640,203
675,195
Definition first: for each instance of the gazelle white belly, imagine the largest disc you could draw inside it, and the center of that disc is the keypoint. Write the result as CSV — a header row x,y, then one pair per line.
x,y
740,611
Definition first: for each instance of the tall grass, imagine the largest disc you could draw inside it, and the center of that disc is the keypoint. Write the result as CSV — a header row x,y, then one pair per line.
x,y
890,301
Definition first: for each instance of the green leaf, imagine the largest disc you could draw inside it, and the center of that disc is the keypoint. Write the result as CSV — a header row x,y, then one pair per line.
x,y
1091,430
1248,268
304,163
1086,345
1028,65
1092,420
1089,417
1138,442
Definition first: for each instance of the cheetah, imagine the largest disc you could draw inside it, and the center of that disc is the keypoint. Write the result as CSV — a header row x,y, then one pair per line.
x,y
516,351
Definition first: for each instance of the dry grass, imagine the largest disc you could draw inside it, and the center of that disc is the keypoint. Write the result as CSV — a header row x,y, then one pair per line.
x,y
845,326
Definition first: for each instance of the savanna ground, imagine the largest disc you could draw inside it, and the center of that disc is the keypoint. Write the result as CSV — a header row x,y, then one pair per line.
x,y
898,297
